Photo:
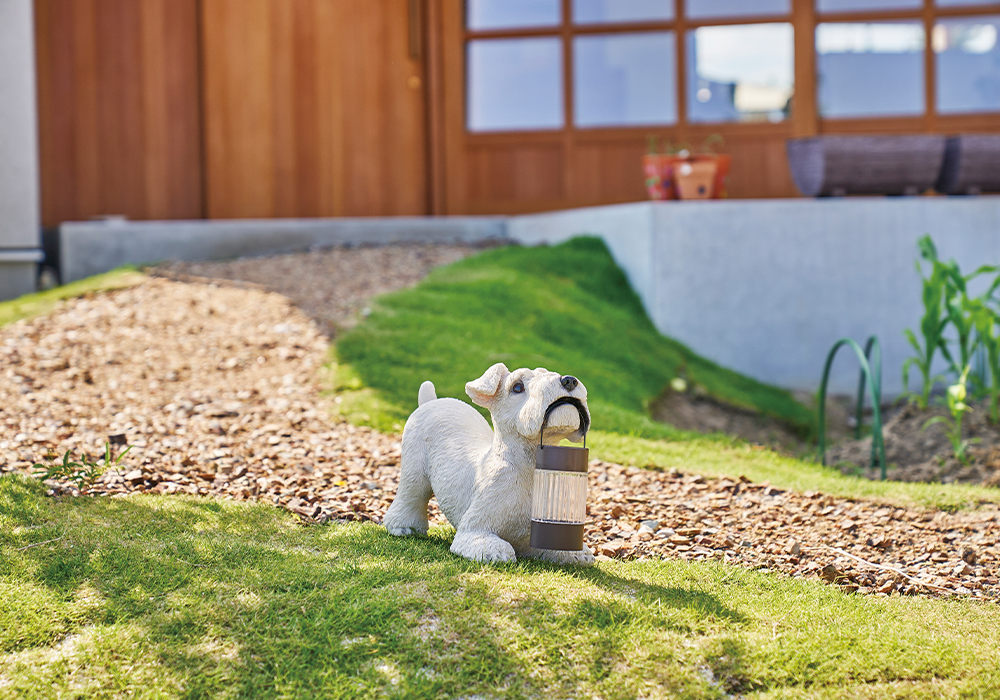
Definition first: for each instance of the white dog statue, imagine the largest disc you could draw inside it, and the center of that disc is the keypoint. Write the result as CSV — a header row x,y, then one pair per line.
x,y
482,479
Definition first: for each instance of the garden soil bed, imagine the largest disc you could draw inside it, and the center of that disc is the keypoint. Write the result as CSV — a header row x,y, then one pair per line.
x,y
218,389
916,453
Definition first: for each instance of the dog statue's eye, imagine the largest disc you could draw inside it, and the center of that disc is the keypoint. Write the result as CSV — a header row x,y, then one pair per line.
x,y
518,388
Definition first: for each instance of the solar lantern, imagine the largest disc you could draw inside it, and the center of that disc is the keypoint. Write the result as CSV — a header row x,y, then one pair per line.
x,y
559,492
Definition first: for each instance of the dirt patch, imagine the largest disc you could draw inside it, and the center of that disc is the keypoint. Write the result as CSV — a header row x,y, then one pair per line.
x,y
914,452
699,412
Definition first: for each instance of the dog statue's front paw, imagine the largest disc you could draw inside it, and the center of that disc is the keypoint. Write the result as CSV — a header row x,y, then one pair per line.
x,y
484,547
402,531
584,557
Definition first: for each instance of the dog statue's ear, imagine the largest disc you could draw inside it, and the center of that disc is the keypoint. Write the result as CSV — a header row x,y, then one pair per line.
x,y
483,391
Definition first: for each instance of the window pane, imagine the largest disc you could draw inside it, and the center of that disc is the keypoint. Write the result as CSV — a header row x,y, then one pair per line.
x,y
509,14
968,64
624,79
868,70
708,9
598,11
515,84
863,5
960,3
740,73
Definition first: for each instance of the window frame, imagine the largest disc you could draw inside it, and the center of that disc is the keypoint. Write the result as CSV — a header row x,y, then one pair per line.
x,y
804,18
929,13
566,30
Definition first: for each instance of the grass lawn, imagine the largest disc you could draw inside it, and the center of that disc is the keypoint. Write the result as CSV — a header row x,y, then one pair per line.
x,y
181,597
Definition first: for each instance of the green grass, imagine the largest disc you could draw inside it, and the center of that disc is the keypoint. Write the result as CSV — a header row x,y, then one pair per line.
x,y
181,597
40,303
566,307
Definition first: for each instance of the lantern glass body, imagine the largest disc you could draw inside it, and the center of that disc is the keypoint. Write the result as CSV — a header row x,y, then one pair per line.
x,y
559,497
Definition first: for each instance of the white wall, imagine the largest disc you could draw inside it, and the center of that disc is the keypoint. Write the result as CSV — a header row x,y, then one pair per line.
x,y
19,197
766,287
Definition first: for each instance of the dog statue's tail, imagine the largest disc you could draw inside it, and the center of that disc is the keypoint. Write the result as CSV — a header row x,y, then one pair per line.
x,y
426,393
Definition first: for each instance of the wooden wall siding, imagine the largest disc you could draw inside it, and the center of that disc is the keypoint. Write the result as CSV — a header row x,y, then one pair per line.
x,y
118,109
312,108
516,173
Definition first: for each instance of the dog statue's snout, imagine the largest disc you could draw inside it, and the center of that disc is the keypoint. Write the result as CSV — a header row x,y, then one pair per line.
x,y
569,382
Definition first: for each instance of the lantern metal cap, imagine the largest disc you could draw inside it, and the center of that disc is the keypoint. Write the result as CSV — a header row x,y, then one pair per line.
x,y
563,459
567,537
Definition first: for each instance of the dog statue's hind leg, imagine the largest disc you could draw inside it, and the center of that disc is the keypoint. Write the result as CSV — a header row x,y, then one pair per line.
x,y
408,513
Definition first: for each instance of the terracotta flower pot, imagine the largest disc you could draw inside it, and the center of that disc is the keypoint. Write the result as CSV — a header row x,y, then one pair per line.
x,y
703,174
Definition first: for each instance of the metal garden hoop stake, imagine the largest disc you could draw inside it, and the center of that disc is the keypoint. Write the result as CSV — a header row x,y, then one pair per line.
x,y
559,490
870,372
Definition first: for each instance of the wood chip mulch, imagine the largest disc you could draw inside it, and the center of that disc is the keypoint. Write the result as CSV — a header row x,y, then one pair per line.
x,y
218,390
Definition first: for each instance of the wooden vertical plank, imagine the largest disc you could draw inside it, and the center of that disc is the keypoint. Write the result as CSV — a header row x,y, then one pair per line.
x,y
153,17
453,97
305,78
239,119
804,109
83,77
930,68
281,52
330,105
182,121
434,95
119,107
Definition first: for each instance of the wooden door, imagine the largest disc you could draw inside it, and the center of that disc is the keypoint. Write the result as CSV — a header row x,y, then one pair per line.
x,y
314,108
118,102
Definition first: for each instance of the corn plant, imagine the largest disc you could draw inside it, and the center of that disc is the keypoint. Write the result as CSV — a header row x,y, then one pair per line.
x,y
82,474
932,324
987,324
957,408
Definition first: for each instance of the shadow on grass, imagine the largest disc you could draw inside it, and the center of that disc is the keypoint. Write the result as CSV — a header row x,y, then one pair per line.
x,y
241,599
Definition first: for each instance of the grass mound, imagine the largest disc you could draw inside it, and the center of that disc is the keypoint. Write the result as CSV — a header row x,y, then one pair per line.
x,y
157,596
566,307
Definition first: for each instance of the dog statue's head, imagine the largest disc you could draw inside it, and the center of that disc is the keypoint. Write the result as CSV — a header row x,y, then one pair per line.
x,y
519,401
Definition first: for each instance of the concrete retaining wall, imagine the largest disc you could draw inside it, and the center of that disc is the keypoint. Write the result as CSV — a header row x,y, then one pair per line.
x,y
767,286
92,247
19,200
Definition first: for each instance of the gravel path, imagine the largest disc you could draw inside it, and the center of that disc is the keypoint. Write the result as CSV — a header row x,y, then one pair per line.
x,y
332,286
217,388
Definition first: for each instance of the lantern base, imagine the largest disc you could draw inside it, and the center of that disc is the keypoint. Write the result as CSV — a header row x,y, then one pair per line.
x,y
546,534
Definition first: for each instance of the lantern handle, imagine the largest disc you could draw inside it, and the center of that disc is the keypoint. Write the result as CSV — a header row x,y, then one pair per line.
x,y
563,401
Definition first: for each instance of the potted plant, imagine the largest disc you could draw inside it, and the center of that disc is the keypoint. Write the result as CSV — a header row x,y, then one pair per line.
x,y
677,173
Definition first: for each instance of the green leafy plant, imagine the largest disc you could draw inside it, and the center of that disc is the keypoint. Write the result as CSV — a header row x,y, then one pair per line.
x,y
987,324
932,324
957,408
81,474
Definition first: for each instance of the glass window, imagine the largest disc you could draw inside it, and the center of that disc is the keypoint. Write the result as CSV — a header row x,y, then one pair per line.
x,y
868,70
710,9
624,79
960,3
515,84
740,72
968,64
865,5
599,11
512,14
